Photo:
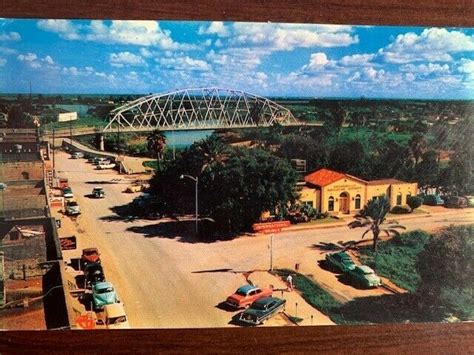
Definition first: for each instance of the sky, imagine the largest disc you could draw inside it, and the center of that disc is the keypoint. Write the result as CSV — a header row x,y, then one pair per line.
x,y
268,59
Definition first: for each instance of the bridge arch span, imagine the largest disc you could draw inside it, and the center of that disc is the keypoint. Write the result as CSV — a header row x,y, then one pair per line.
x,y
198,108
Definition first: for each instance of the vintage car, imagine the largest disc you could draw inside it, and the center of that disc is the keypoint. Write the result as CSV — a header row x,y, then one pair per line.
x,y
105,165
90,255
103,293
98,192
245,295
77,155
364,277
134,188
115,316
470,201
455,202
433,200
340,261
67,192
72,208
93,273
262,309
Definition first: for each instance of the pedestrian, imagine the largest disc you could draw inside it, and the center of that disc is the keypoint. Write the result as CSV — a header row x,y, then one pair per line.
x,y
289,281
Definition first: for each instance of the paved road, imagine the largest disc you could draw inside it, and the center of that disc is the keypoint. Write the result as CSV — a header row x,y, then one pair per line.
x,y
166,282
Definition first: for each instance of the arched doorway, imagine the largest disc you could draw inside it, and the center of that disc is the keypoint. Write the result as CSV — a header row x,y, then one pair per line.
x,y
344,203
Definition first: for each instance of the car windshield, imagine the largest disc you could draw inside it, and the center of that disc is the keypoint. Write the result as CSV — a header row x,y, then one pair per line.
x,y
116,320
259,306
72,204
105,290
90,252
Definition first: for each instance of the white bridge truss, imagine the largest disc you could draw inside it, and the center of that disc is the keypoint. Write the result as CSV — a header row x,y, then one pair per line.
x,y
202,108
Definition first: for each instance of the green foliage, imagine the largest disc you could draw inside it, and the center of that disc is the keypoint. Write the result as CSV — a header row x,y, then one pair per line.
x,y
235,185
314,295
414,202
396,259
446,267
400,210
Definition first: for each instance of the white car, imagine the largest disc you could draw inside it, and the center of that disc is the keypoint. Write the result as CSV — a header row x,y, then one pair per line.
x,y
77,155
103,166
115,317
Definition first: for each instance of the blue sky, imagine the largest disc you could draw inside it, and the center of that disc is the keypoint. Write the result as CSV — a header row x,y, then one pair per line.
x,y
270,59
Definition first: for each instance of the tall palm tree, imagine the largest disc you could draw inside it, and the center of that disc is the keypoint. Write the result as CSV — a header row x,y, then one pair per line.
x,y
372,217
417,145
212,151
156,143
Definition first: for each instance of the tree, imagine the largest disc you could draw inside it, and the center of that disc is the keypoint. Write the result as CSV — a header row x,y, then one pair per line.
x,y
427,171
156,144
301,146
350,157
213,152
372,217
414,202
446,268
417,144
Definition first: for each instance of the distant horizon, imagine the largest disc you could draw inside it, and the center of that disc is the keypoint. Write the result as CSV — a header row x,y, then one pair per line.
x,y
266,59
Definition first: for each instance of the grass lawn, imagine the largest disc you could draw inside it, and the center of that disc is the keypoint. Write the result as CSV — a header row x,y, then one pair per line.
x,y
315,295
151,164
396,258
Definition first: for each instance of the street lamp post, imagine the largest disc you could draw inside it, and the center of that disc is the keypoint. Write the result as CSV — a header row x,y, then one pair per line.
x,y
196,180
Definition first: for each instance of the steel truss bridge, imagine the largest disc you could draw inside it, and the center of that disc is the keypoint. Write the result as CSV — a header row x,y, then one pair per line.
x,y
198,109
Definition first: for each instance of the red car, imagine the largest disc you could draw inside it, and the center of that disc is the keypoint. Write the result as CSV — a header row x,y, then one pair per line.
x,y
246,295
90,255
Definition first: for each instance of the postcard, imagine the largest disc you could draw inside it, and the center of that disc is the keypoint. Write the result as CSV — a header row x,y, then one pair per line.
x,y
183,174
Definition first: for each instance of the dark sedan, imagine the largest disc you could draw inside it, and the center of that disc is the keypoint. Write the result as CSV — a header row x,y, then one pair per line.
x,y
262,309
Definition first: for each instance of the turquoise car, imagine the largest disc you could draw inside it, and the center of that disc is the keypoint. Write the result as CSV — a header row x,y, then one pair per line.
x,y
340,261
364,277
103,293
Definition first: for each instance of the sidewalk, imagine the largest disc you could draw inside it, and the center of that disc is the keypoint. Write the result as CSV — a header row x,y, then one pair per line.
x,y
296,306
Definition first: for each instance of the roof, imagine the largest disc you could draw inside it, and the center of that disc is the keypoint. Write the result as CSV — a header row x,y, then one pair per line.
x,y
246,288
385,182
115,310
323,177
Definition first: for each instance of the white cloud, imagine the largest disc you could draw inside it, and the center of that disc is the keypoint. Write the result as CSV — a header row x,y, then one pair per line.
x,y
125,58
290,36
317,60
215,28
29,57
64,28
71,71
466,66
146,53
184,63
356,59
425,68
433,45
10,36
6,50
48,60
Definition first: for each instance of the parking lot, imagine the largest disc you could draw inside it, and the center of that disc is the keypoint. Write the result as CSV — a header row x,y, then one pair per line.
x,y
166,281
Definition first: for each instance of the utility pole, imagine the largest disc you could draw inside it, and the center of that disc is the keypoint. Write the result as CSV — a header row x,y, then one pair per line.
x,y
271,253
54,154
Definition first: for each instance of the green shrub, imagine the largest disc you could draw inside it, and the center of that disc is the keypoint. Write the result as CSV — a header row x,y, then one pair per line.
x,y
414,202
400,210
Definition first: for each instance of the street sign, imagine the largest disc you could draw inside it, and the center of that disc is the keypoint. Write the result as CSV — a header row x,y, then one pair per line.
x,y
270,227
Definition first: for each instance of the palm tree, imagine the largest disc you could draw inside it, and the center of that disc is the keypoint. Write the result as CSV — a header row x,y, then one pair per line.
x,y
212,151
372,217
156,143
417,145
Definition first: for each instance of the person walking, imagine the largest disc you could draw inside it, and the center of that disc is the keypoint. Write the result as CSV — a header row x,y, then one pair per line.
x,y
289,281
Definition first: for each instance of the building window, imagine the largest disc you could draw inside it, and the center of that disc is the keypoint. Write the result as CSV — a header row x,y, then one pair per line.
x,y
357,202
399,199
408,197
309,203
331,204
25,175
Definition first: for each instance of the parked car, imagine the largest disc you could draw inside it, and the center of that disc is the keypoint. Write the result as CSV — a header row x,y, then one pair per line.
x,y
90,255
455,202
262,309
433,200
98,192
245,295
470,201
134,188
67,192
93,273
115,317
101,160
142,200
72,208
91,159
77,155
103,293
363,276
340,260
103,166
